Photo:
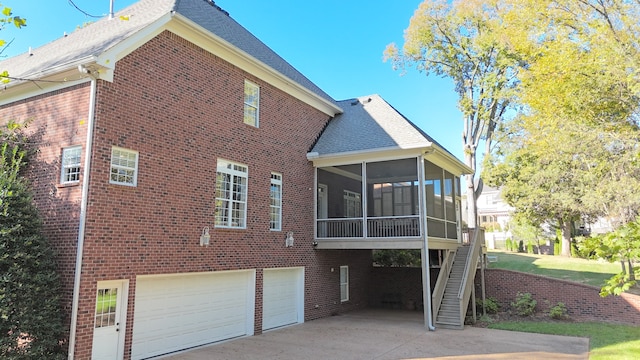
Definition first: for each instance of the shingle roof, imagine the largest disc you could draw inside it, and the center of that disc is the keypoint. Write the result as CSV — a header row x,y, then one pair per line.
x,y
94,39
369,123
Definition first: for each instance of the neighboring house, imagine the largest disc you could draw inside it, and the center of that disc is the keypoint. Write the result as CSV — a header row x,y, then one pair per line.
x,y
494,215
198,188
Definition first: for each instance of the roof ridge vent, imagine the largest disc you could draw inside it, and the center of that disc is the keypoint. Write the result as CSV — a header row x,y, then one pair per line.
x,y
213,3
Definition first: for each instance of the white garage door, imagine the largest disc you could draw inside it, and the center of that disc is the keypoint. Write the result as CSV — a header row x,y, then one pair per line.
x,y
282,297
182,311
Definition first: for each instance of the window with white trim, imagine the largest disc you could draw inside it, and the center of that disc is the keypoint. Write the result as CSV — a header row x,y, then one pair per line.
x,y
352,204
251,103
124,167
231,194
275,197
70,165
344,283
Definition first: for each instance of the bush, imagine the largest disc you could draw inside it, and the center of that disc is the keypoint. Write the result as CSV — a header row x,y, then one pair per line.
x,y
397,258
524,305
30,315
508,244
520,246
558,312
556,247
490,305
529,247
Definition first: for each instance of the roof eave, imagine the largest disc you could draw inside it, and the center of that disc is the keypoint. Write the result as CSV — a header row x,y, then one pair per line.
x,y
216,45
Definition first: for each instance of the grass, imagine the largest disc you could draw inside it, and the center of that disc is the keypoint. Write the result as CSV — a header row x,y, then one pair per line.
x,y
590,272
606,341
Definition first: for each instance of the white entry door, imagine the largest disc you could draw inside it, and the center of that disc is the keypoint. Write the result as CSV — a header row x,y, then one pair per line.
x,y
108,328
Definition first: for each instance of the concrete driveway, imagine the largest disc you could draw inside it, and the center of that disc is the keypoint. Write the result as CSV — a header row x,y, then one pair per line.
x,y
386,335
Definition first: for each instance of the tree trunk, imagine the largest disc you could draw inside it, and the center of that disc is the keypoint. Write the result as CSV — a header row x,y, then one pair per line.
x,y
624,268
566,238
472,204
632,274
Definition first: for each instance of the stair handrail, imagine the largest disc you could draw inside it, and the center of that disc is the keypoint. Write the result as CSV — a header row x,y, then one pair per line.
x,y
470,265
441,282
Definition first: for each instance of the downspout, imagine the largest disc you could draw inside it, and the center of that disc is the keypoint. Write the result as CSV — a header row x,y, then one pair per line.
x,y
83,212
426,276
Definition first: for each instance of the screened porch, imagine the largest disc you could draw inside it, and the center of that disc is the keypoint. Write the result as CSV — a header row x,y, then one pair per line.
x,y
383,201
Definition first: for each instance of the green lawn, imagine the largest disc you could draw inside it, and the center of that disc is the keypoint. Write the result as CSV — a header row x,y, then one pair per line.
x,y
606,341
590,272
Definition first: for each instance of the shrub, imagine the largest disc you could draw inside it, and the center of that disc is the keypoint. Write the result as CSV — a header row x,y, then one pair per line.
x,y
520,246
529,247
524,305
558,312
508,244
30,315
490,305
556,246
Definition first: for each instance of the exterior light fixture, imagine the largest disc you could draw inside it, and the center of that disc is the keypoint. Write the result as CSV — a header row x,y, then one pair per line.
x,y
288,241
205,237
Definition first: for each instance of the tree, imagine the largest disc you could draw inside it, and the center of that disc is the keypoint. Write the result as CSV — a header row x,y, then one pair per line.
x,y
621,245
30,317
524,229
8,18
397,258
578,129
456,40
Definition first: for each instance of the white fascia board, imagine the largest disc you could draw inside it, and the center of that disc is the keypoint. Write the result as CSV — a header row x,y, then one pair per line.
x,y
447,161
45,84
355,157
111,56
216,45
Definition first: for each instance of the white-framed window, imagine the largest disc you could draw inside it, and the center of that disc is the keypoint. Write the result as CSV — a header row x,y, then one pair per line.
x,y
275,196
344,283
70,165
231,194
251,103
352,204
124,167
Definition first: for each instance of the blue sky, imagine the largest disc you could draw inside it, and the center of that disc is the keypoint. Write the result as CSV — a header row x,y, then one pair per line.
x,y
337,44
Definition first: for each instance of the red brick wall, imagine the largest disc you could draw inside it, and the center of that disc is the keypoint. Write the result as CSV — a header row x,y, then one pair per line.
x,y
583,302
390,285
57,119
181,108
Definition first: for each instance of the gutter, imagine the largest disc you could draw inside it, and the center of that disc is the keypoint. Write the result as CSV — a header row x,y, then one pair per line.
x,y
83,210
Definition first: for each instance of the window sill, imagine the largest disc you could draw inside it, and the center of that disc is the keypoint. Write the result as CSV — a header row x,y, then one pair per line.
x,y
67,185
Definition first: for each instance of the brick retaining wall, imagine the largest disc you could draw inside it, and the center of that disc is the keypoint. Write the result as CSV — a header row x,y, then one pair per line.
x,y
397,287
583,302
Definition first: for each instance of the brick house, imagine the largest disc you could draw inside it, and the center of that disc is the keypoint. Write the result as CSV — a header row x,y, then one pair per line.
x,y
197,187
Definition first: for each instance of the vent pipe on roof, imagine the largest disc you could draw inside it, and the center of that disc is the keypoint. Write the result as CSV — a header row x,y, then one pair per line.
x,y
111,9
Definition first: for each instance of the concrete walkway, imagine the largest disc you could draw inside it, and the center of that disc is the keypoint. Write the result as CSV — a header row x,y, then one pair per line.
x,y
387,335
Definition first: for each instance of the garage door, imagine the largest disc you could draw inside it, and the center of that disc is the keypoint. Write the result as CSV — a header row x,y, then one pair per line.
x,y
182,311
282,297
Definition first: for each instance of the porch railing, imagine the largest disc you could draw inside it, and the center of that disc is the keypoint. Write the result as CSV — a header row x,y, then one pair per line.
x,y
441,282
466,287
378,227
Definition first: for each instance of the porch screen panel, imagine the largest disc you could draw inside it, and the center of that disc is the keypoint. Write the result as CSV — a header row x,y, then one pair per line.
x,y
392,198
434,191
450,206
343,186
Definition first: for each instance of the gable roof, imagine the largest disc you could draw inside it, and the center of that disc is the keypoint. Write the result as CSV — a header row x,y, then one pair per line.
x,y
371,125
108,40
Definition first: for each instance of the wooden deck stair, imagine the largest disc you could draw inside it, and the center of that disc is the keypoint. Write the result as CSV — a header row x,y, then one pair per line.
x,y
449,313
